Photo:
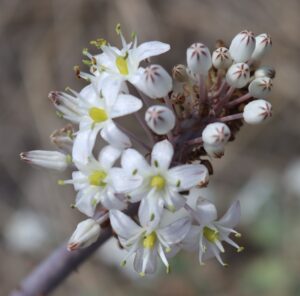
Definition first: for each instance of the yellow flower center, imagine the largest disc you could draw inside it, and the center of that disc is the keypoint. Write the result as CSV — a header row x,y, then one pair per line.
x,y
98,114
158,182
210,234
96,178
149,240
122,65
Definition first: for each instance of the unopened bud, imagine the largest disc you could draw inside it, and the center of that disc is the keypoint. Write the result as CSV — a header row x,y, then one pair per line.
x,y
47,159
63,138
262,46
238,75
155,82
216,133
242,46
215,151
179,73
160,119
221,58
198,59
85,234
257,111
265,71
260,87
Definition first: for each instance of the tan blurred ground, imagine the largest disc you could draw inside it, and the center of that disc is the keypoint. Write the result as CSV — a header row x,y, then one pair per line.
x,y
41,41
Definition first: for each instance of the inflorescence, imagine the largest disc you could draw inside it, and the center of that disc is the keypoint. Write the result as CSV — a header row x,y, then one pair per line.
x,y
187,120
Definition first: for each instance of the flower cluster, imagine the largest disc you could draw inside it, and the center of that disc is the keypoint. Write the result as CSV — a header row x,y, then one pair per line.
x,y
146,187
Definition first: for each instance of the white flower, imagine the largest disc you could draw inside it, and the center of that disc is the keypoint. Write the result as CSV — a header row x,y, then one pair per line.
x,y
160,119
94,108
260,87
265,71
207,234
85,234
238,75
47,159
263,45
221,58
161,185
257,111
123,64
146,243
242,46
198,59
93,183
216,151
216,133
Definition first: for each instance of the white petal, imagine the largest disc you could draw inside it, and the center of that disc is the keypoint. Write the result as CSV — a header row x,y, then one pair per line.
x,y
108,156
187,176
86,201
191,240
114,136
124,182
150,211
134,162
173,200
145,261
162,154
125,104
123,225
232,217
150,49
175,232
110,201
206,212
84,144
110,88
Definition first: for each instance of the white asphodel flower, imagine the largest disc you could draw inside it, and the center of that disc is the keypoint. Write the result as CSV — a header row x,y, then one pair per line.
x,y
85,234
198,59
160,119
124,64
257,111
242,46
207,233
216,133
94,108
147,244
238,75
260,87
161,185
94,185
221,58
54,160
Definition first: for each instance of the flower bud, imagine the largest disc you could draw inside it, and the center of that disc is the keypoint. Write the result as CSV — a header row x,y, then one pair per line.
x,y
48,159
155,82
238,75
198,59
263,45
85,234
160,119
242,46
221,58
63,138
215,151
260,87
265,71
257,111
179,73
216,133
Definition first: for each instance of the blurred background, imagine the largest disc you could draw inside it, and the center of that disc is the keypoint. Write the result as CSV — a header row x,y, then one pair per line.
x,y
41,41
